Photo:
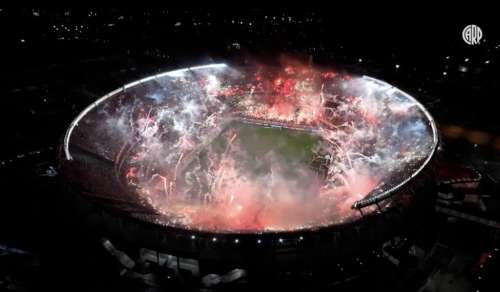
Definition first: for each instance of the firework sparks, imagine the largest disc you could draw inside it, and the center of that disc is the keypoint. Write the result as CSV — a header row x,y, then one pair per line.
x,y
264,149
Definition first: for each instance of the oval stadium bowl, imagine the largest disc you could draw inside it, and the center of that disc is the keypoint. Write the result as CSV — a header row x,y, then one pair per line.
x,y
257,150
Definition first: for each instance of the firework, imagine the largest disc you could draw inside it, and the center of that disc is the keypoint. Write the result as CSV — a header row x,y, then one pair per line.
x,y
256,149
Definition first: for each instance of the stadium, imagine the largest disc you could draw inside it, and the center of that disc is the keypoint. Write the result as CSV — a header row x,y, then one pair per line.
x,y
257,170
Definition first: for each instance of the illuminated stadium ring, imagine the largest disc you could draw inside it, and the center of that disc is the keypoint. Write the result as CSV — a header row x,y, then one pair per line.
x,y
249,150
